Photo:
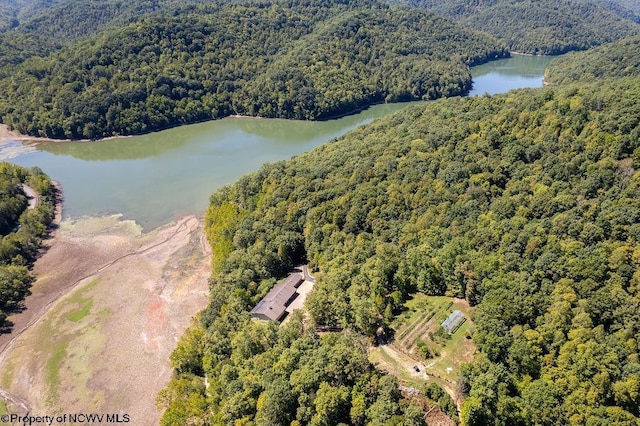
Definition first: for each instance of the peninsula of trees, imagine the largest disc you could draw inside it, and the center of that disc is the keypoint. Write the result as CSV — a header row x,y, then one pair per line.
x,y
627,9
21,231
613,60
303,60
526,204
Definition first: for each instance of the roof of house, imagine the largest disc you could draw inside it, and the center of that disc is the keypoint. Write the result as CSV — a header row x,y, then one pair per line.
x,y
275,302
453,322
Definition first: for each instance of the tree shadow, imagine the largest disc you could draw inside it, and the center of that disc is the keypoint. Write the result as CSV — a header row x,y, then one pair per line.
x,y
6,326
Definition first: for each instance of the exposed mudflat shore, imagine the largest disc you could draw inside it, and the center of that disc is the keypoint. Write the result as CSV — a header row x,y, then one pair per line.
x,y
105,313
7,135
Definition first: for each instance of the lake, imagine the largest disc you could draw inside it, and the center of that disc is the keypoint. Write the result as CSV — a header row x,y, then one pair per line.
x,y
161,176
506,74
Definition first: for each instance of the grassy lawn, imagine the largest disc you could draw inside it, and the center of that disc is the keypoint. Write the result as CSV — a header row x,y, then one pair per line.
x,y
401,365
420,322
453,354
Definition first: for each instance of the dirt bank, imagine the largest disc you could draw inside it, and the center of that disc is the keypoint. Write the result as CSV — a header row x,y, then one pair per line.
x,y
7,135
106,312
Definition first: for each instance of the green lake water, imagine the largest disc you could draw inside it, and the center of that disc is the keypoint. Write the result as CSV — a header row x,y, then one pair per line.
x,y
513,73
158,177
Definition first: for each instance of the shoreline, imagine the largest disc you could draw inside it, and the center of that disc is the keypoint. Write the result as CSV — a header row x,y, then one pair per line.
x,y
7,135
142,295
524,54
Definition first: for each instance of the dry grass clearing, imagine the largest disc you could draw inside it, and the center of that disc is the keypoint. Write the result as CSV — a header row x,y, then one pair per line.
x,y
103,347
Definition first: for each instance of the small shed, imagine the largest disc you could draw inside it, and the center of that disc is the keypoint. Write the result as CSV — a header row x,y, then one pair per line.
x,y
454,321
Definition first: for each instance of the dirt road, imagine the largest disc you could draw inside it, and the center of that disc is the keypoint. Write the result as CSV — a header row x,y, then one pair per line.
x,y
32,195
106,312
400,365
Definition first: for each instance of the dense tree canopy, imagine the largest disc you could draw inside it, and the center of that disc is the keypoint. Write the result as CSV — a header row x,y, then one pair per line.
x,y
613,60
21,232
526,204
262,373
547,27
627,9
305,60
38,27
70,19
12,11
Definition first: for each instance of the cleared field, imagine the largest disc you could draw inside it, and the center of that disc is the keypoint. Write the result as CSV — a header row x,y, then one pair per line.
x,y
420,322
419,325
423,312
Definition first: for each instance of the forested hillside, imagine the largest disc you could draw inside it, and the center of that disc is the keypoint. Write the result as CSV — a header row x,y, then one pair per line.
x,y
544,27
627,9
21,232
8,13
614,60
305,60
66,18
14,11
631,5
53,27
526,204
42,27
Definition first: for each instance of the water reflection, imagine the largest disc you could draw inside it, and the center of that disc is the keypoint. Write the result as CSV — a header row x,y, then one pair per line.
x,y
506,74
157,177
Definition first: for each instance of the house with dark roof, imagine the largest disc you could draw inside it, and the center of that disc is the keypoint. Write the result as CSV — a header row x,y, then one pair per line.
x,y
273,306
454,321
